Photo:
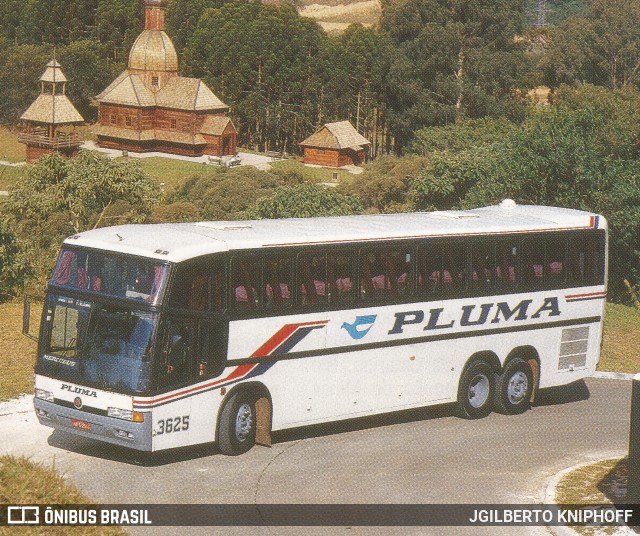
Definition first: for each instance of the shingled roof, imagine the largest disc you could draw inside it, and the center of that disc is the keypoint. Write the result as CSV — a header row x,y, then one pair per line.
x,y
53,73
180,93
129,90
214,125
338,135
52,110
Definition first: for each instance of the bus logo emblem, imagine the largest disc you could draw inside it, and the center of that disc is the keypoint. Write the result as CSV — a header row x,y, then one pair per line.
x,y
360,321
77,402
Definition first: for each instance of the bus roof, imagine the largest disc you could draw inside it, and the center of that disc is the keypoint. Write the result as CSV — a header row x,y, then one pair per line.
x,y
181,241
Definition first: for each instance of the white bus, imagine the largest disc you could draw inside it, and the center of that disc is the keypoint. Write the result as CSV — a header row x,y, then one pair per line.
x,y
167,335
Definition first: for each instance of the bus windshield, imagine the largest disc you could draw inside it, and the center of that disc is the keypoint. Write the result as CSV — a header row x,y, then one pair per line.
x,y
110,274
94,344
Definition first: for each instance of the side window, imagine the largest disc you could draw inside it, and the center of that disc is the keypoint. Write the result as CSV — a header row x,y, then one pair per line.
x,y
246,276
341,278
278,280
178,363
555,262
586,257
506,271
533,263
483,263
543,262
386,273
430,261
198,286
192,350
312,274
454,273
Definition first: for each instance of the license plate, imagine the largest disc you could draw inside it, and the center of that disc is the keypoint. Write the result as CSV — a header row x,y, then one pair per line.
x,y
80,424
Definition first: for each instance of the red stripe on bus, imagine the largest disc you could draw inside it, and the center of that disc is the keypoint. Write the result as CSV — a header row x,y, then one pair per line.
x,y
571,296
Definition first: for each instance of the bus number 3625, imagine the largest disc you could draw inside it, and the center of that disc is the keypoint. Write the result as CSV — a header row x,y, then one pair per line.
x,y
173,424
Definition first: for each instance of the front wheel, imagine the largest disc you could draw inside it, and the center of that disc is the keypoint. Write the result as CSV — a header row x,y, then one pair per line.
x,y
237,429
475,392
514,387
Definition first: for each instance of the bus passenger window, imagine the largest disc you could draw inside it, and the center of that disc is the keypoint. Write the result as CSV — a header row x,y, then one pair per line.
x,y
533,263
506,265
430,269
555,262
312,271
483,263
245,283
192,286
278,276
586,257
340,268
454,273
372,275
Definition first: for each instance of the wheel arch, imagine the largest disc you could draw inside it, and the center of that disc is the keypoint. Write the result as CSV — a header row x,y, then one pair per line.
x,y
490,358
530,355
263,406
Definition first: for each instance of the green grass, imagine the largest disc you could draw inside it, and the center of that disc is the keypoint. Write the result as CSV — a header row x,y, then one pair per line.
x,y
10,148
10,175
171,171
621,340
25,482
309,174
17,352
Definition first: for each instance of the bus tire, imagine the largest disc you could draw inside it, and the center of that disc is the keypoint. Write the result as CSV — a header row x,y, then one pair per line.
x,y
237,427
514,387
475,391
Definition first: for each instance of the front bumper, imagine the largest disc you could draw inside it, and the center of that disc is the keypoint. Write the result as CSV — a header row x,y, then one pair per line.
x,y
134,435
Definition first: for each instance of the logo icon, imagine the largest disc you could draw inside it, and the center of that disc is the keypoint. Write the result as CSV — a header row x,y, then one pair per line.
x,y
357,329
77,402
23,515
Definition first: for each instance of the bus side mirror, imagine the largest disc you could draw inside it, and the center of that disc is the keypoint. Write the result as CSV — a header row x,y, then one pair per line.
x,y
26,316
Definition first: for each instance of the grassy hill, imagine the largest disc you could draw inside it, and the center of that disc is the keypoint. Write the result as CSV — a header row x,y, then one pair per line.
x,y
338,14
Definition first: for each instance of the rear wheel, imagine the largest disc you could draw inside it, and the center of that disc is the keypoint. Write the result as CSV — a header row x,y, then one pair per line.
x,y
475,392
514,387
237,430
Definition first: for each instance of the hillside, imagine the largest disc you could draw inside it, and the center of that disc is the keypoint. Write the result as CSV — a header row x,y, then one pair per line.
x,y
336,15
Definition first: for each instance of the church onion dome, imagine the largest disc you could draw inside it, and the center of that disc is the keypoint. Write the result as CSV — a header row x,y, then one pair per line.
x,y
153,51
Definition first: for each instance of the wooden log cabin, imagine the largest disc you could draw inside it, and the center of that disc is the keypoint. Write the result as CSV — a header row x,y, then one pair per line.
x,y
335,145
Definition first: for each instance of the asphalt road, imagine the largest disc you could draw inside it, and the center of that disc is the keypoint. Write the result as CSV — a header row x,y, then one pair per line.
x,y
426,456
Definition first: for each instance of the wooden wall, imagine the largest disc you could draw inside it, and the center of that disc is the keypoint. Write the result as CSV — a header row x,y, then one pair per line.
x,y
333,157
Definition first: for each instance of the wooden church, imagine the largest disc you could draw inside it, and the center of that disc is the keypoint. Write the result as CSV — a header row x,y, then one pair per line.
x,y
149,107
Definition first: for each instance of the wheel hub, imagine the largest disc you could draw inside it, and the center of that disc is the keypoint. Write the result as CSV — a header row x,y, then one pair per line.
x,y
244,422
478,391
517,387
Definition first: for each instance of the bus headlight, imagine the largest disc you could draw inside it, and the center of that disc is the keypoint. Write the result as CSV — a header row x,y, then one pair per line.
x,y
126,414
44,395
